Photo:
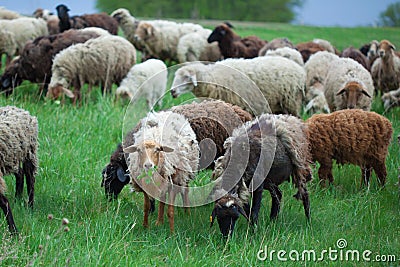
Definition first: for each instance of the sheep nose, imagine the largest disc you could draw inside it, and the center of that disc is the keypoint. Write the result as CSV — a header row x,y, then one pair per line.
x,y
381,53
148,165
350,106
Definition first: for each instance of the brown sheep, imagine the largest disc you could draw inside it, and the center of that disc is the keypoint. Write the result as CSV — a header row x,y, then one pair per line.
x,y
385,70
308,48
350,136
232,45
356,54
275,44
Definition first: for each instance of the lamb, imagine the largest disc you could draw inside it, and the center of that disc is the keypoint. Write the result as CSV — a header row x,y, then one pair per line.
x,y
36,58
391,99
258,85
110,58
166,152
8,14
51,19
287,52
148,80
194,47
18,145
15,33
232,45
212,121
101,20
356,54
275,44
351,136
348,85
385,70
262,154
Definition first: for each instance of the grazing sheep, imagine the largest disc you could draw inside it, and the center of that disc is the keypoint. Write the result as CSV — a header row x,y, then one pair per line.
x,y
18,146
275,148
210,120
166,142
315,97
391,99
104,60
15,33
385,70
348,85
161,38
356,54
308,48
275,44
147,79
36,58
232,45
194,47
101,20
287,52
350,136
8,14
51,19
279,80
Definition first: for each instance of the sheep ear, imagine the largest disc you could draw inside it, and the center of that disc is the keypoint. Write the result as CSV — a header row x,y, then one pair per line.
x,y
121,175
212,217
131,149
166,149
149,30
241,211
365,93
193,79
68,93
341,91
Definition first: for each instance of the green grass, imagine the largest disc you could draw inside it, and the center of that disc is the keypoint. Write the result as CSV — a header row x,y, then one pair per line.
x,y
76,143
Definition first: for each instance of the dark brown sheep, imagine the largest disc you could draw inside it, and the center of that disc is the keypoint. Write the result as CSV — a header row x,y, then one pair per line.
x,y
101,20
212,121
36,59
356,54
350,136
232,45
276,148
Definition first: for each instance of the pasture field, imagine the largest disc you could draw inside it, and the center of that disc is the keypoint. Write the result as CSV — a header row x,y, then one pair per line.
x,y
75,144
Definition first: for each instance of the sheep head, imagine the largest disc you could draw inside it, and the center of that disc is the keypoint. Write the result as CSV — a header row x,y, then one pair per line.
x,y
144,31
385,48
149,153
120,14
227,210
351,92
185,80
56,91
219,33
391,99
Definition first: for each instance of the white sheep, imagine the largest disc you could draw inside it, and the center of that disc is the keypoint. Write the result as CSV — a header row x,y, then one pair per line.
x,y
348,85
163,159
287,52
147,79
104,60
161,38
325,44
194,47
391,99
8,14
23,29
18,146
278,80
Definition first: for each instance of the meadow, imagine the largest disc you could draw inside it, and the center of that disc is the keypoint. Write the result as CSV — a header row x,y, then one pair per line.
x,y
75,143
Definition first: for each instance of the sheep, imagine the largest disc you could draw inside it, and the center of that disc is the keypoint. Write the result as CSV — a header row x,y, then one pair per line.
x,y
210,120
101,20
105,60
161,38
147,79
326,45
232,45
391,99
316,100
348,85
8,14
308,48
370,50
166,147
262,154
287,52
36,58
51,19
194,47
275,44
351,136
247,83
18,145
15,33
385,70
356,54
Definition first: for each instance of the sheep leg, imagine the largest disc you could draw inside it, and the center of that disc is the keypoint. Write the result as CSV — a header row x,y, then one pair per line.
x,y
29,171
19,183
302,195
160,218
276,196
325,173
5,206
185,199
171,211
380,171
366,174
146,210
255,207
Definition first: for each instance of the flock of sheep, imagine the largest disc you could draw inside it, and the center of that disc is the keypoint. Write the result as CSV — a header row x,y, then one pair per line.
x,y
250,135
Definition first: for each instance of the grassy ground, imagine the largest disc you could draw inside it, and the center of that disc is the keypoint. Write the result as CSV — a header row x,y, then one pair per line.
x,y
75,145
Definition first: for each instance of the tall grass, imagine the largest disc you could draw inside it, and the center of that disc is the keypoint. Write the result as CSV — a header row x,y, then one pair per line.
x,y
76,143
